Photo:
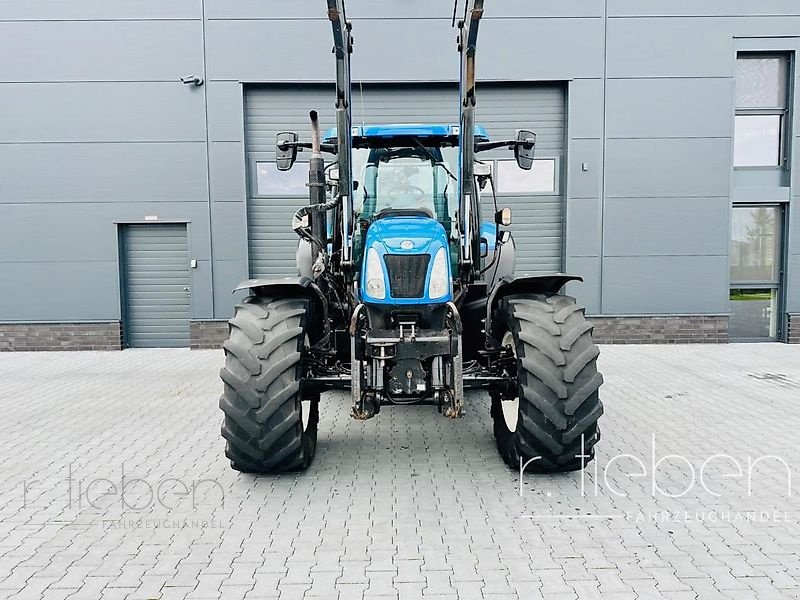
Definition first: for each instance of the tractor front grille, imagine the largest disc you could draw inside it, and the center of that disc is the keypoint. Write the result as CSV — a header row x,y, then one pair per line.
x,y
407,274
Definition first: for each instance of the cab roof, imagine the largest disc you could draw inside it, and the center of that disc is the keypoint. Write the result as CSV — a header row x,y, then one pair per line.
x,y
370,135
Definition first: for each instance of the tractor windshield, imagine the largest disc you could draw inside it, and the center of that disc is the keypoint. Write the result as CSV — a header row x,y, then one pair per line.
x,y
404,178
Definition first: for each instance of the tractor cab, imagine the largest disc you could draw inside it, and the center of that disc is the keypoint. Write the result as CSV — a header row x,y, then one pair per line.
x,y
406,243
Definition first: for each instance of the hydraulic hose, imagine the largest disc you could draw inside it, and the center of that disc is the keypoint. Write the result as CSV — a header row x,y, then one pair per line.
x,y
304,229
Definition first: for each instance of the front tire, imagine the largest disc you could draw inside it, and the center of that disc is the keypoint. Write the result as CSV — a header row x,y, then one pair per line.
x,y
551,424
270,426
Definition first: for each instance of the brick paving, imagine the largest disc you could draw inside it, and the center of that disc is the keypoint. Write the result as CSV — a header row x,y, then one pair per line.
x,y
113,485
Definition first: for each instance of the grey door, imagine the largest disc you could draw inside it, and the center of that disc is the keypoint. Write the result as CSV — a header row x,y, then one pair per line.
x,y
502,109
156,286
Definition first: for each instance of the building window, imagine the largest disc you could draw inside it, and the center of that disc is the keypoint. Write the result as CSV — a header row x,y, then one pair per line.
x,y
272,182
762,109
541,179
755,257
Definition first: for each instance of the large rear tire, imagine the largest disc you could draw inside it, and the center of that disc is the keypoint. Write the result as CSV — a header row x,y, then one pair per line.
x,y
269,426
551,424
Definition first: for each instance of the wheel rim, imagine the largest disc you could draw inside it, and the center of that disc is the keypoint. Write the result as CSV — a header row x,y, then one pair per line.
x,y
305,405
510,407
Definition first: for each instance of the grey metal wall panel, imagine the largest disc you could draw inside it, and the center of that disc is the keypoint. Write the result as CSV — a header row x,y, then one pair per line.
x,y
59,291
202,291
228,274
543,8
665,285
503,109
586,292
586,104
793,284
156,283
100,50
796,161
680,8
52,236
668,167
793,262
101,112
660,226
754,27
229,224
669,48
583,227
226,161
267,50
654,108
48,10
794,232
75,231
238,50
41,235
103,172
225,111
358,10
523,49
588,183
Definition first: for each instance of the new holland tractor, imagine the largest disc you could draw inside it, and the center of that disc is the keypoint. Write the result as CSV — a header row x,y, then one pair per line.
x,y
403,296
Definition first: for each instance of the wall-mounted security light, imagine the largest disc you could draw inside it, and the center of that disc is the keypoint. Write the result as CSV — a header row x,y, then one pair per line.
x,y
192,80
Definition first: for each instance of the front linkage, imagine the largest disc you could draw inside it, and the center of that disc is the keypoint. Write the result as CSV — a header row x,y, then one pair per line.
x,y
402,362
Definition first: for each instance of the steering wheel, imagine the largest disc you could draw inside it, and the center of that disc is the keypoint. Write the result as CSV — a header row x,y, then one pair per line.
x,y
402,192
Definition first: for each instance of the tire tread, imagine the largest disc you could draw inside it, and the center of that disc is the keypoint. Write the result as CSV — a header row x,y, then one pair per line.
x,y
262,386
558,384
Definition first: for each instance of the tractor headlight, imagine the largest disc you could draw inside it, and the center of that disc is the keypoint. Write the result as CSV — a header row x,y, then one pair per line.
x,y
440,279
376,287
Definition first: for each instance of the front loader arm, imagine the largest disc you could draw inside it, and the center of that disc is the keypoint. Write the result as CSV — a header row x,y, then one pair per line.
x,y
467,46
342,49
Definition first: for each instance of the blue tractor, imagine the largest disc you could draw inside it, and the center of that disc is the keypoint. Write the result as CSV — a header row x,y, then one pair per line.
x,y
404,296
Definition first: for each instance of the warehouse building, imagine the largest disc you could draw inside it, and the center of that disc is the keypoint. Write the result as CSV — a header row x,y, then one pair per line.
x,y
138,185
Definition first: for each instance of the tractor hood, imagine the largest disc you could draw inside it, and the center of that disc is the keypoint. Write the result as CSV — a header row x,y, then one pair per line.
x,y
406,235
411,257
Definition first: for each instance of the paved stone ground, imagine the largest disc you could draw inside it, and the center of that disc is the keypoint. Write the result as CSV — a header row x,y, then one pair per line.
x,y
407,505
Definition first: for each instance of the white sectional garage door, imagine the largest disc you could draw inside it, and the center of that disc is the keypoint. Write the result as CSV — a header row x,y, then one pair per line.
x,y
535,197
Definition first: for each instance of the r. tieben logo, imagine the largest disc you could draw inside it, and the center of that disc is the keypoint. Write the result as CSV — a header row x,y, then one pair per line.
x,y
132,493
695,475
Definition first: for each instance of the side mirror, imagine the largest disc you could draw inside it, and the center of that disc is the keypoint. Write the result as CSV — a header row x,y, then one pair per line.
x,y
285,150
484,247
503,217
333,174
523,149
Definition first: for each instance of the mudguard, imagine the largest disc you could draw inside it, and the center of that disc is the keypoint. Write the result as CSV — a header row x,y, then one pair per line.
x,y
522,284
291,286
